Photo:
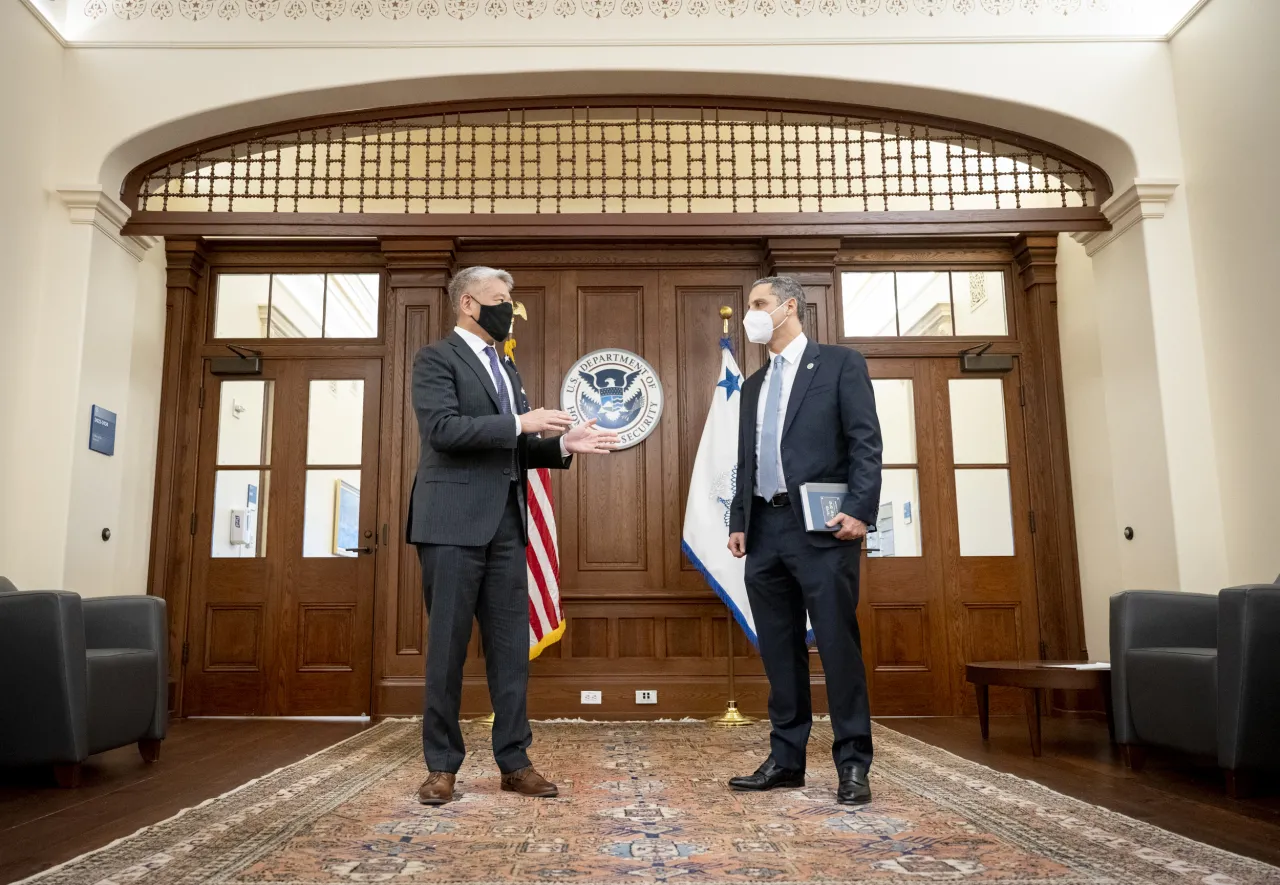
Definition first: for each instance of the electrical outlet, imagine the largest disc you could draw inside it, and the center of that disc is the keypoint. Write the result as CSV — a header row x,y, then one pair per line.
x,y
646,696
591,697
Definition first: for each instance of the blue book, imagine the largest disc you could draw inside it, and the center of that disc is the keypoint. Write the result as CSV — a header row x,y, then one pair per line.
x,y
822,501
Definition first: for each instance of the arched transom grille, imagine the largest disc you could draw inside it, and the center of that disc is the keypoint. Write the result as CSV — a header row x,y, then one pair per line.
x,y
652,159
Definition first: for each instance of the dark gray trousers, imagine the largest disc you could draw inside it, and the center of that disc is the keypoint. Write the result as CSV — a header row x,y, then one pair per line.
x,y
488,584
785,576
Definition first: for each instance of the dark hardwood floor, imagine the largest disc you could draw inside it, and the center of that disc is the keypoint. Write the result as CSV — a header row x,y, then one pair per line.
x,y
1179,794
41,825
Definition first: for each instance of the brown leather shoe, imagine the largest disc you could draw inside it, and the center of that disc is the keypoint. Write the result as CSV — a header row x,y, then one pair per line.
x,y
528,782
437,789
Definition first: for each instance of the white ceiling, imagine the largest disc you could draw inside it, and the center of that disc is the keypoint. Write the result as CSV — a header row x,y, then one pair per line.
x,y
516,22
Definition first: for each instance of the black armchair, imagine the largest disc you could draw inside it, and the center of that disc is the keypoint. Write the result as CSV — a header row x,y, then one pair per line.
x,y
78,677
1200,674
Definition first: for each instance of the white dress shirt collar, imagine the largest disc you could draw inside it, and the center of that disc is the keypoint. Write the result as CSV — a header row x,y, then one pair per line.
x,y
475,342
793,351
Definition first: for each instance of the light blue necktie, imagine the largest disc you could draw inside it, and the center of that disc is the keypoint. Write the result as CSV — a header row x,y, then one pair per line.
x,y
499,381
770,481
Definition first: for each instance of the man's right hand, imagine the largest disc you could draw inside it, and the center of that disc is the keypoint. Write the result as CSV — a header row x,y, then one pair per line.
x,y
738,544
545,421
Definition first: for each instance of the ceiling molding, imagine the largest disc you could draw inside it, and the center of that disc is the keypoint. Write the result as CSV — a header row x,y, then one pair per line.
x,y
1186,19
91,205
1145,198
48,25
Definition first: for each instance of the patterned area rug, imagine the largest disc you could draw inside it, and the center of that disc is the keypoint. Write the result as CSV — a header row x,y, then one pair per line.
x,y
642,804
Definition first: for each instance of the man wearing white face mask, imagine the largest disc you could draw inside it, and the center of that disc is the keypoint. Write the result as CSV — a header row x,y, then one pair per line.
x,y
808,416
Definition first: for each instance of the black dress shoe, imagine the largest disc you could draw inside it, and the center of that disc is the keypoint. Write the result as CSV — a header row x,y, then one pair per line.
x,y
854,788
767,777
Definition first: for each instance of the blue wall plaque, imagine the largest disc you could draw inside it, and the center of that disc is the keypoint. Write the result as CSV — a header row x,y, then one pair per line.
x,y
102,431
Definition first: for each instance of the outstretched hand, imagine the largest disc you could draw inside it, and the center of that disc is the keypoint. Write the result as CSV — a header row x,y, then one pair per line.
x,y
587,439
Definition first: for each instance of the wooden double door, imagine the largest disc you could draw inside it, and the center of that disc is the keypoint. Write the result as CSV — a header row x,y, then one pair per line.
x,y
313,606
283,569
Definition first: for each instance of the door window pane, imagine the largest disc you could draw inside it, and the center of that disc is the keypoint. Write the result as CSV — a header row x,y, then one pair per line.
x,y
869,309
240,499
331,524
241,309
897,531
335,422
244,422
984,512
297,305
895,406
977,421
924,304
351,306
979,303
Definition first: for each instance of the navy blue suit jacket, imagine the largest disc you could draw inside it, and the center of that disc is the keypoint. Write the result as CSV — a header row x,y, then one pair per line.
x,y
830,433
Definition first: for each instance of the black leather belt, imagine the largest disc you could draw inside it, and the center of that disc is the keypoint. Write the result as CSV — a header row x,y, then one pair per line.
x,y
779,500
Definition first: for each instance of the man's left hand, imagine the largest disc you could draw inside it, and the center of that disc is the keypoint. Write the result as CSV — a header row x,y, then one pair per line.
x,y
587,439
850,528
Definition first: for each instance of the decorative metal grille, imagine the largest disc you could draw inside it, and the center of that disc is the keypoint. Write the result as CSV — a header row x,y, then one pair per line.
x,y
651,159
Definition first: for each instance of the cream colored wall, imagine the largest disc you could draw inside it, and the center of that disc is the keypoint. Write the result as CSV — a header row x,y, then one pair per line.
x,y
31,72
1226,71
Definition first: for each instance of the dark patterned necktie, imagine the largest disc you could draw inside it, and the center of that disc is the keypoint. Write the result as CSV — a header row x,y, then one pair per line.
x,y
499,381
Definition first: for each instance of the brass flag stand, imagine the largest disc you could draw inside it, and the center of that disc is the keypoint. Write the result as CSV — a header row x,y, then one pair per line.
x,y
732,716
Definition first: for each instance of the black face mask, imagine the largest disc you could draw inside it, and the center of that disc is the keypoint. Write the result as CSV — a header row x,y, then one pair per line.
x,y
496,319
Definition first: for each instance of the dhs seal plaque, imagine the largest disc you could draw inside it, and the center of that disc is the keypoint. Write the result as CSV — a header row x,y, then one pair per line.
x,y
617,388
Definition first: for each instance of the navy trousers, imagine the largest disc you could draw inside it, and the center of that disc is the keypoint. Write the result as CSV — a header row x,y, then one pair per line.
x,y
786,577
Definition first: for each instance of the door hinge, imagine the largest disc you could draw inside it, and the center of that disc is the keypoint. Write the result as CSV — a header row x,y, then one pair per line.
x,y
200,404
1032,516
193,523
186,652
1022,395
1044,650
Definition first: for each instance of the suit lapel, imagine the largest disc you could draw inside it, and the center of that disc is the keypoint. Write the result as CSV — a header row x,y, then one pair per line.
x,y
470,357
800,386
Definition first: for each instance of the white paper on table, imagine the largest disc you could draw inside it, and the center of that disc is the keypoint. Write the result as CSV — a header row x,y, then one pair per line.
x,y
1098,665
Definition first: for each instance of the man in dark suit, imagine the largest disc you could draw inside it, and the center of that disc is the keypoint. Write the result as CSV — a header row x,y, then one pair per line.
x,y
468,518
808,416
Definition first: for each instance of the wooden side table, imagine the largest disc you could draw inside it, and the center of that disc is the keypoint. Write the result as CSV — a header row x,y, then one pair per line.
x,y
1034,677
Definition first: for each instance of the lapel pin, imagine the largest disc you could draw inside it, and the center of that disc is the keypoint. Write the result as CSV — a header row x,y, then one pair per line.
x,y
810,366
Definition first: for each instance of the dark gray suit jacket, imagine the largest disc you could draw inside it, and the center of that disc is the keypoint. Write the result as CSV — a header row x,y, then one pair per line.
x,y
830,433
469,449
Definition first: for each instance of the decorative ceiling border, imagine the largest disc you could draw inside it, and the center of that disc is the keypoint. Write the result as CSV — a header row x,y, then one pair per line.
x,y
395,10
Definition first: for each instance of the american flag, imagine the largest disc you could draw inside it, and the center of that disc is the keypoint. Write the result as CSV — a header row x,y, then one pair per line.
x,y
546,625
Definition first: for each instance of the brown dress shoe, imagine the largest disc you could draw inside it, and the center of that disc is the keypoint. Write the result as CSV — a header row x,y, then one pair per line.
x,y
528,782
437,789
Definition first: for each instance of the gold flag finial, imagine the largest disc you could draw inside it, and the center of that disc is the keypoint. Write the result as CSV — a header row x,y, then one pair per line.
x,y
517,310
726,314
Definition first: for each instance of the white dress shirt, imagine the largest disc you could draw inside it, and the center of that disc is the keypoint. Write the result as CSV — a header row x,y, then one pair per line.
x,y
476,343
791,357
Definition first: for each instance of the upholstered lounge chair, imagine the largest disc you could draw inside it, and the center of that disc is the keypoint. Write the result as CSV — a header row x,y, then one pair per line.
x,y
80,676
1201,674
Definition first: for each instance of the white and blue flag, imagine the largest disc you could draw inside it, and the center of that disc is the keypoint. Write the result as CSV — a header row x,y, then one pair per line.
x,y
712,486
711,489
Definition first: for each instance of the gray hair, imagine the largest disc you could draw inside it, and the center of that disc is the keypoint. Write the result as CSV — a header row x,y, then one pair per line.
x,y
785,289
463,280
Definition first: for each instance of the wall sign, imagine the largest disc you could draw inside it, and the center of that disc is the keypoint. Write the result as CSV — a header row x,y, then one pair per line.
x,y
102,431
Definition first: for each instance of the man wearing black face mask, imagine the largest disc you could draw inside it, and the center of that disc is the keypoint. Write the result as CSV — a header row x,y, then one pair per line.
x,y
468,518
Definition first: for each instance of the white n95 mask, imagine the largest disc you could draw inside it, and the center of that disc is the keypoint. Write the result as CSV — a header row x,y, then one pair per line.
x,y
759,324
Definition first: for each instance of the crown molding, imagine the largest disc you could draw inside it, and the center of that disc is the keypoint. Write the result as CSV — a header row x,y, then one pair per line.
x,y
1186,19
48,25
1145,198
92,205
